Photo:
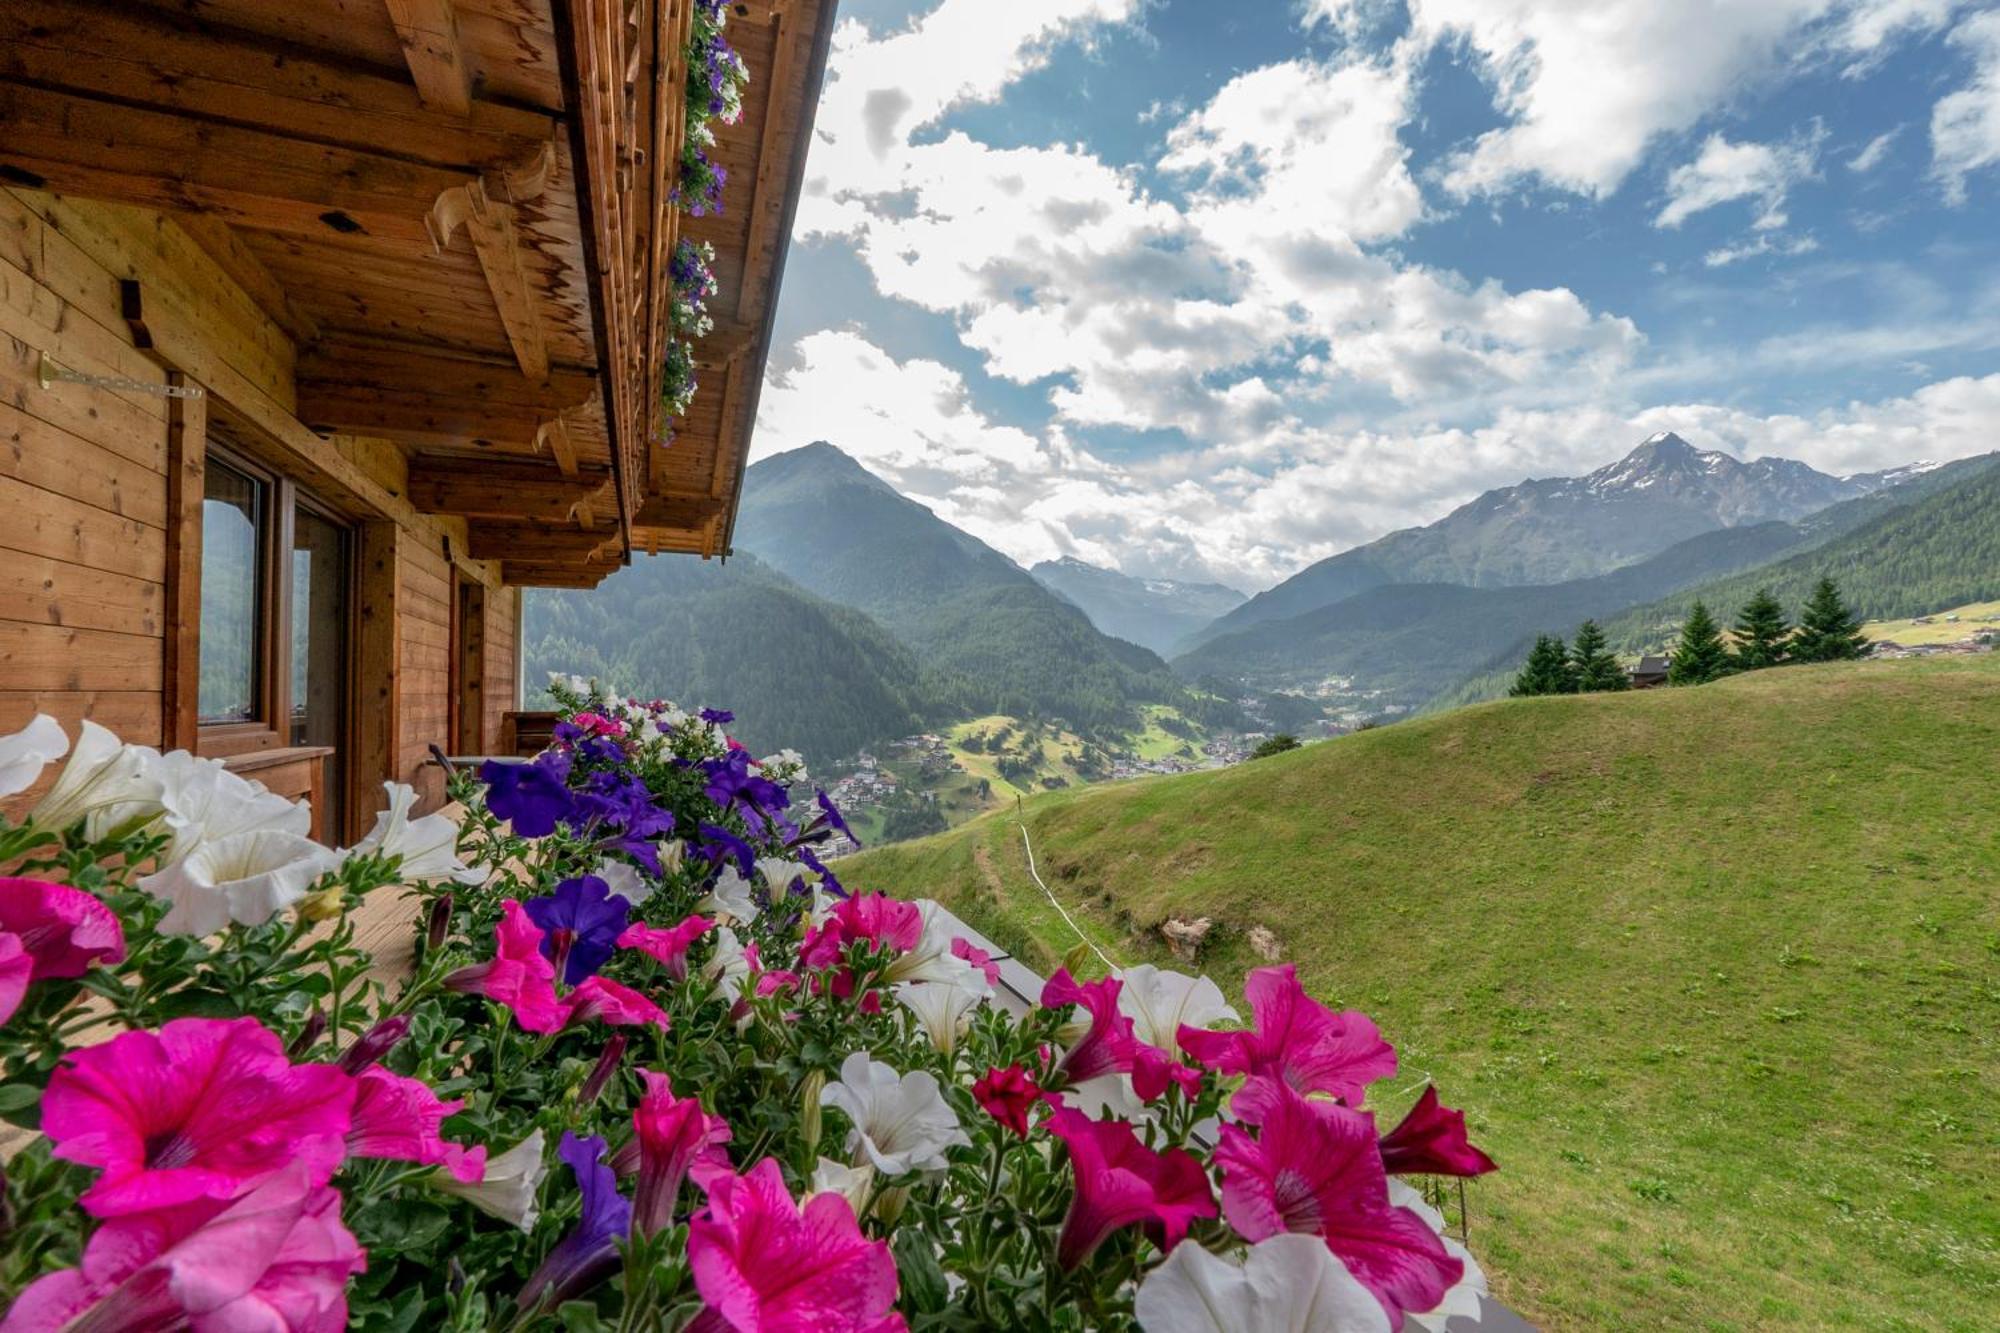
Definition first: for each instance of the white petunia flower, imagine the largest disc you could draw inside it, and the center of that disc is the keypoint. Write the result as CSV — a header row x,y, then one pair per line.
x,y
932,959
901,1121
106,783
1463,1297
1159,1001
943,1007
624,881
731,897
204,801
246,877
508,1189
28,751
851,1183
728,967
1290,1283
428,846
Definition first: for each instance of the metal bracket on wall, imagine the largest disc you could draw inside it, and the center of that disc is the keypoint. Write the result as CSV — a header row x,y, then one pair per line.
x,y
53,372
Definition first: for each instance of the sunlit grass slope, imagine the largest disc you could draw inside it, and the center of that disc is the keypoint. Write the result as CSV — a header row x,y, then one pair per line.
x,y
1716,971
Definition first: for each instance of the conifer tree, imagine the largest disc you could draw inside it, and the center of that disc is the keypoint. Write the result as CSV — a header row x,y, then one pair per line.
x,y
1700,656
1547,670
1760,632
1592,666
1828,631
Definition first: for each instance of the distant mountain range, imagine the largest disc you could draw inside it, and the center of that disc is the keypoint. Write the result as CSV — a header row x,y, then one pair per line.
x,y
852,614
1154,613
1566,528
1928,540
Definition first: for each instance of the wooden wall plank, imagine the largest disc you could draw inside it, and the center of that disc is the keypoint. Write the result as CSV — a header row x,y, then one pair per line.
x,y
44,523
59,657
43,591
34,452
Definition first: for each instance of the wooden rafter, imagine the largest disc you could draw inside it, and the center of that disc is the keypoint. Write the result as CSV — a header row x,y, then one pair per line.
x,y
153,59
424,398
428,30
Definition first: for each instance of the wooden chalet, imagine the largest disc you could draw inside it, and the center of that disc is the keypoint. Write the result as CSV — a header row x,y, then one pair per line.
x,y
328,325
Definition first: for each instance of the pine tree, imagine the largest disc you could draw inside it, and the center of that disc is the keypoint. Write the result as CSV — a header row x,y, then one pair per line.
x,y
1760,632
1593,668
1828,631
1700,656
1547,670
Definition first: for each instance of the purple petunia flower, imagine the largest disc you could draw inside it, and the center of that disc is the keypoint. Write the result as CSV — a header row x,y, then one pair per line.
x,y
720,717
734,783
581,922
532,797
826,879
718,844
833,816
589,1253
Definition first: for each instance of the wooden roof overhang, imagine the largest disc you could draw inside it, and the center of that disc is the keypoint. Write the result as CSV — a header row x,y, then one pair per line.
x,y
458,210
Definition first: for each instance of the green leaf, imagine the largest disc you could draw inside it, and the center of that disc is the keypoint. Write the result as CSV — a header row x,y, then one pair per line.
x,y
917,1265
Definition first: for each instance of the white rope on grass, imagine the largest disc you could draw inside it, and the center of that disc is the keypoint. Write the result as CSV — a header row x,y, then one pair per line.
x,y
1069,920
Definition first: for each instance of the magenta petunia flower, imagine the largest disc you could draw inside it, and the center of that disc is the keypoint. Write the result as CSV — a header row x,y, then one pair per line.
x,y
17,968
1431,1142
63,929
765,1265
874,917
1297,1039
1007,1095
617,1004
1314,1168
670,945
402,1120
1120,1182
1109,1046
201,1109
277,1258
517,975
676,1139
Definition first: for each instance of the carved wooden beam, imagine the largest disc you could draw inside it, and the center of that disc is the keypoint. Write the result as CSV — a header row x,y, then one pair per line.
x,y
424,398
524,541
553,435
497,241
429,32
505,490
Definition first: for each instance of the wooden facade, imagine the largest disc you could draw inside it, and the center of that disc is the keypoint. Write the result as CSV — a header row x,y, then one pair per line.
x,y
402,265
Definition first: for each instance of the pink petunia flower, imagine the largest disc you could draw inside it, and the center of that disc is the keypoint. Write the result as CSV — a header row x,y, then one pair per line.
x,y
1120,1181
765,1265
670,946
275,1259
63,929
1314,1168
517,975
1109,1046
1297,1039
201,1109
1431,1142
17,968
402,1120
979,958
676,1139
615,1003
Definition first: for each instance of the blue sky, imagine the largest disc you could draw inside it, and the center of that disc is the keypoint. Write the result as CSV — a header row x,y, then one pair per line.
x,y
1215,290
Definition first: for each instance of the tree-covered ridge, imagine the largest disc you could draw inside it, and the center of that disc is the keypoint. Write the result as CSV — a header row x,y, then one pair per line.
x,y
994,639
1941,550
798,669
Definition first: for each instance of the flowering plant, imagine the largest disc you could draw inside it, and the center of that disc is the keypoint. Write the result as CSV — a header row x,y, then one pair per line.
x,y
651,1065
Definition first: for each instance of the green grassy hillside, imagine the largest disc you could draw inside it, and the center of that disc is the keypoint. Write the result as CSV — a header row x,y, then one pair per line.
x,y
1715,972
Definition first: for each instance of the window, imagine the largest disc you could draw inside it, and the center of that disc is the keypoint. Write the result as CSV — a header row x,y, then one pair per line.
x,y
277,573
233,534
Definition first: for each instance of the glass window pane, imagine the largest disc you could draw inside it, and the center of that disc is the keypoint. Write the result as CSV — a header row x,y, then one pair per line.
x,y
320,573
232,519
